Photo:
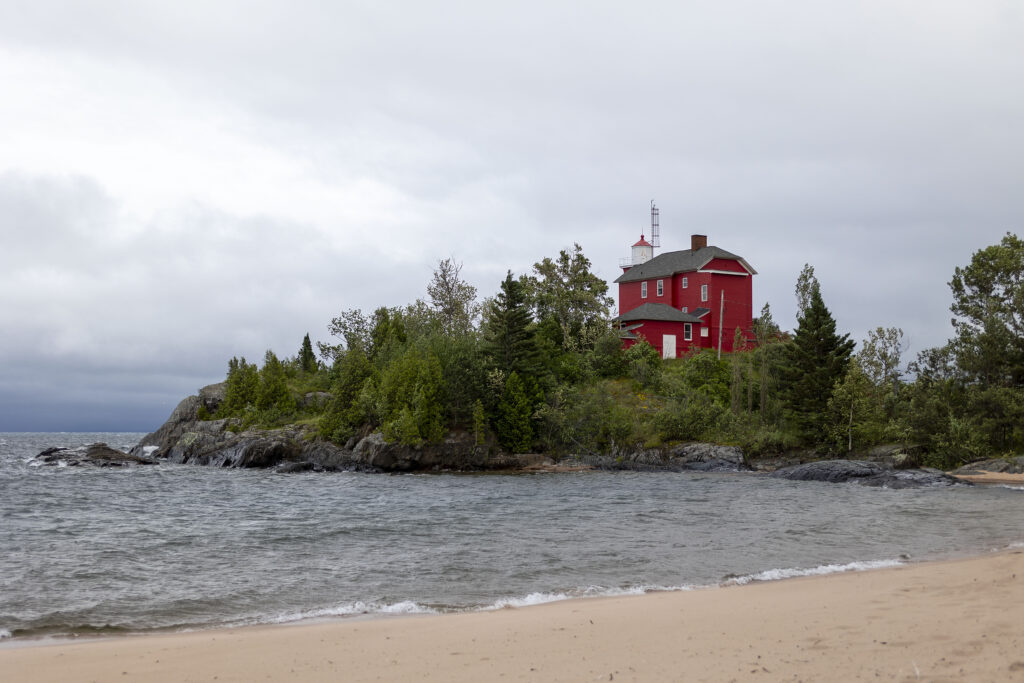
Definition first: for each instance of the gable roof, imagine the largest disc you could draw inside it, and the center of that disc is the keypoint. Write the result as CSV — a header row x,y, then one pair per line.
x,y
672,262
657,312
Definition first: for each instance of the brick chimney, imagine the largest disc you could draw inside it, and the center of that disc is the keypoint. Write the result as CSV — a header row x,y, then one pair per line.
x,y
698,242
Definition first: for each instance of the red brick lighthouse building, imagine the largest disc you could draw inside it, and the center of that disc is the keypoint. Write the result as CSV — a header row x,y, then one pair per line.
x,y
684,301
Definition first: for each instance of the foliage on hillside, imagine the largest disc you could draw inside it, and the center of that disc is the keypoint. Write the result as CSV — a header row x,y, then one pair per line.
x,y
539,367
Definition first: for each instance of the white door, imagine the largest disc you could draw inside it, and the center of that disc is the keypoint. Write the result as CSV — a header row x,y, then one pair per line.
x,y
668,346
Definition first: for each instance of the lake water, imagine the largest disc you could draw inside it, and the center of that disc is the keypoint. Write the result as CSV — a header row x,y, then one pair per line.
x,y
90,550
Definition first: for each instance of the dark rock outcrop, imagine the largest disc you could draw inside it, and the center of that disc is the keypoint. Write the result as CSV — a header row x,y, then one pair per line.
x,y
702,457
185,438
866,473
96,454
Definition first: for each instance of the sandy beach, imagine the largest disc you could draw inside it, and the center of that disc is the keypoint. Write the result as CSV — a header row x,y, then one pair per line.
x,y
993,478
957,620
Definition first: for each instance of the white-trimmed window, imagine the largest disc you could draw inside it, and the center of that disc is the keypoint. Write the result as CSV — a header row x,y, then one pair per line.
x,y
703,292
686,309
687,331
686,282
703,331
661,288
643,289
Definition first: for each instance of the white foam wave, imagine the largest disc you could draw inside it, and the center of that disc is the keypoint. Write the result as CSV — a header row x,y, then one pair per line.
x,y
588,592
148,450
4,633
1009,486
351,609
794,572
526,601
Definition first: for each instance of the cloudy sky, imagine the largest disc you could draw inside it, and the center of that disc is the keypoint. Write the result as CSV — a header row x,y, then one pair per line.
x,y
185,182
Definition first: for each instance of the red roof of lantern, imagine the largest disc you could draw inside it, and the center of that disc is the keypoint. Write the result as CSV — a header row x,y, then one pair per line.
x,y
643,242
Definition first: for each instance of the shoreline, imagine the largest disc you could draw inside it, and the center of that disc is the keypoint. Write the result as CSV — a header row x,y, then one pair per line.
x,y
950,619
992,478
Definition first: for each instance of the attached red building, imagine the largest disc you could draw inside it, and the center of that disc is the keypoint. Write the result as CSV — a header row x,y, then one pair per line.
x,y
682,301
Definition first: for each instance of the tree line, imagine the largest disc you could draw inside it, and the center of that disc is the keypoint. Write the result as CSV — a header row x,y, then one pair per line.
x,y
539,367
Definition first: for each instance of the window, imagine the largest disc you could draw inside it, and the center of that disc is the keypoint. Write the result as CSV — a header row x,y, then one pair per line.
x,y
686,309
688,331
686,282
643,290
703,331
703,292
661,287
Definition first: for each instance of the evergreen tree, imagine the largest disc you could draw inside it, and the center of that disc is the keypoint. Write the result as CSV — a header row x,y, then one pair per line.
x,y
411,387
307,359
509,343
513,427
240,387
479,423
814,361
273,394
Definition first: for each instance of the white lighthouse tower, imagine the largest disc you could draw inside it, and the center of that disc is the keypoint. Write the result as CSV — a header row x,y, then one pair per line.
x,y
643,251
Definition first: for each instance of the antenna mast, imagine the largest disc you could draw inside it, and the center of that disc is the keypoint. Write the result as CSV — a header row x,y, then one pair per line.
x,y
655,227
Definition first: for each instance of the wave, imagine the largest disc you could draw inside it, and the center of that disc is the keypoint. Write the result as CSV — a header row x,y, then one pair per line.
x,y
820,570
349,609
541,598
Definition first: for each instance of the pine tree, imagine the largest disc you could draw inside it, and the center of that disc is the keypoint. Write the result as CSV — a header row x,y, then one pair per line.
x,y
307,360
508,340
814,361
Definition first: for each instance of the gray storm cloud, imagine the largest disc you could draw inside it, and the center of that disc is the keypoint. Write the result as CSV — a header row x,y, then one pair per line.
x,y
184,183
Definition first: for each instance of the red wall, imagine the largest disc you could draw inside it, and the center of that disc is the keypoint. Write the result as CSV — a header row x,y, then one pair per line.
x,y
653,330
738,303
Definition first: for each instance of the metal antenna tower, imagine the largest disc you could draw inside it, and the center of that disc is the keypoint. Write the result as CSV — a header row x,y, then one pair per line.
x,y
655,228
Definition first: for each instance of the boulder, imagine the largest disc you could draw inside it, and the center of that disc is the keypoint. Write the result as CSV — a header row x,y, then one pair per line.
x,y
97,454
866,473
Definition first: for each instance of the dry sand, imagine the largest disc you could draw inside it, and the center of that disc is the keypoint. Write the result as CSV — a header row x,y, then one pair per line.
x,y
959,620
993,478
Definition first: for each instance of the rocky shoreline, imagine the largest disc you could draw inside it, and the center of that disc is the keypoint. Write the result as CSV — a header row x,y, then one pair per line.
x,y
187,439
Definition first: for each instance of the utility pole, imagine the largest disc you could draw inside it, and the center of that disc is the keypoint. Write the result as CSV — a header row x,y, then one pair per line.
x,y
721,313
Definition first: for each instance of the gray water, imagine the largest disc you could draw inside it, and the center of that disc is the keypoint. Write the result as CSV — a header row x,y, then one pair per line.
x,y
86,550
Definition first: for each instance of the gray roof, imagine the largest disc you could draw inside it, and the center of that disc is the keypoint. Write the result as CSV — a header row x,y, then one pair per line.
x,y
672,262
657,312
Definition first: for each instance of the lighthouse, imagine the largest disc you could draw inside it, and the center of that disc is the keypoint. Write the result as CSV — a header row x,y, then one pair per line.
x,y
643,251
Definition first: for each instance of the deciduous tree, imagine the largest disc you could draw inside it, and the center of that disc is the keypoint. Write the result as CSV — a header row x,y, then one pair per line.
x,y
452,298
567,291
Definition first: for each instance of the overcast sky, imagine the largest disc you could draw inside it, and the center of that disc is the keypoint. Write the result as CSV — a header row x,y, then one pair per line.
x,y
185,182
